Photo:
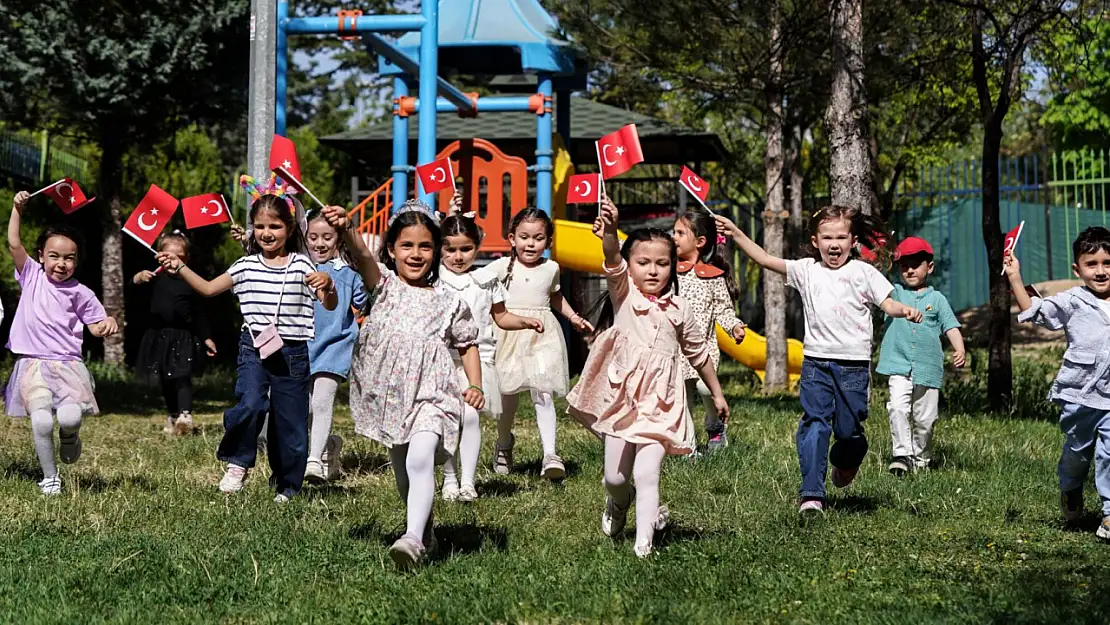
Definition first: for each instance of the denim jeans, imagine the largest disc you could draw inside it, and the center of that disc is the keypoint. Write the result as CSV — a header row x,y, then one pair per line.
x,y
278,385
1086,435
834,398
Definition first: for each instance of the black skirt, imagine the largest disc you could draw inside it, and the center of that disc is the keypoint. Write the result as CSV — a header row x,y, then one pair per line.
x,y
169,353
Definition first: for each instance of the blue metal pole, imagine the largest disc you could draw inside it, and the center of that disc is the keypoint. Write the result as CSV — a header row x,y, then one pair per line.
x,y
384,48
281,60
543,149
429,71
364,24
400,148
511,104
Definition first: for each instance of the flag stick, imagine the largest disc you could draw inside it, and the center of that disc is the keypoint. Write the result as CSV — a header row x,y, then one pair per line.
x,y
601,176
1013,249
48,187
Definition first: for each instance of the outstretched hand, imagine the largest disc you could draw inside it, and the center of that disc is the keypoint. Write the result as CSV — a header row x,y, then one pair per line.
x,y
725,226
1010,265
581,324
238,233
337,217
172,262
911,314
456,203
607,218
474,398
721,406
20,201
533,323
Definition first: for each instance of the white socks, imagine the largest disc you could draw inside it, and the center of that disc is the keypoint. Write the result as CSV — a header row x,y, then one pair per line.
x,y
414,469
544,404
643,462
470,445
42,427
321,411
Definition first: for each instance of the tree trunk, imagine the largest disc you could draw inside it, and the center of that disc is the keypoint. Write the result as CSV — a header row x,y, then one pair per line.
x,y
999,372
774,285
111,264
850,173
794,313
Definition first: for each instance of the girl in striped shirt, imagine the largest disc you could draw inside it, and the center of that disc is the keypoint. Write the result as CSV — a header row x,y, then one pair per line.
x,y
276,284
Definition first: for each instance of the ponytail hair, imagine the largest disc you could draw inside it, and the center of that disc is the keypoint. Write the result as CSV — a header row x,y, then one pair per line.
x,y
869,231
702,223
528,214
603,309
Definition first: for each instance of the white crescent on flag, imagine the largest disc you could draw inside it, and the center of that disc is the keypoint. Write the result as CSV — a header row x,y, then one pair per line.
x,y
143,225
68,193
605,155
219,208
693,182
442,175
583,193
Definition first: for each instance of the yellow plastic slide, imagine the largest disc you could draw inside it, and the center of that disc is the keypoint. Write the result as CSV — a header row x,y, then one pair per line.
x,y
577,248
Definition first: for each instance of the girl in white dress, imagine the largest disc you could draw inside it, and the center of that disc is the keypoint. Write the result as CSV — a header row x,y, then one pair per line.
x,y
528,361
485,295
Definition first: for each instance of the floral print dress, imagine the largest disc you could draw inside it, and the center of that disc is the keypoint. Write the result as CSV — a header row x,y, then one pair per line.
x,y
403,378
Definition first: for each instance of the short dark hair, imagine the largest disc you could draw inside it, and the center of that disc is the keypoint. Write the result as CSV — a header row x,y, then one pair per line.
x,y
61,230
1090,241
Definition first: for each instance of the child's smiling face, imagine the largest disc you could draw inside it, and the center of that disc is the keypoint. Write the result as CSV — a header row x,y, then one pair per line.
x,y
1094,270
322,240
413,253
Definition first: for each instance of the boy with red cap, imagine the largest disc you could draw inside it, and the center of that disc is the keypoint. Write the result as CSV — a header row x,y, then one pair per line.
x,y
913,357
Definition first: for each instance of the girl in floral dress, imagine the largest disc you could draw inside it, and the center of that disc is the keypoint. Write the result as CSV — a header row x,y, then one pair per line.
x,y
404,388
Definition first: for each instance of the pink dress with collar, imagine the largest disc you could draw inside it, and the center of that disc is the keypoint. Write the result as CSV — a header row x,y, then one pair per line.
x,y
632,385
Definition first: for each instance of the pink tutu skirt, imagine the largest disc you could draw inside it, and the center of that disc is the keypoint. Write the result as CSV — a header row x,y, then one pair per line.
x,y
38,384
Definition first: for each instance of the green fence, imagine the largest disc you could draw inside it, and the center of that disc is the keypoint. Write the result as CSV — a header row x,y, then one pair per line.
x,y
32,159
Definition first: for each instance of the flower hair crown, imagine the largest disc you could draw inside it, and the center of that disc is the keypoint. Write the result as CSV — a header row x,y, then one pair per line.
x,y
416,206
273,186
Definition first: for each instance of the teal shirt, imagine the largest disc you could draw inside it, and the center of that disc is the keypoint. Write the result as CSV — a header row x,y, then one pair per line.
x,y
913,349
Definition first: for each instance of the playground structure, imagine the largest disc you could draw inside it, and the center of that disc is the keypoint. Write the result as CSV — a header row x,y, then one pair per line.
x,y
482,37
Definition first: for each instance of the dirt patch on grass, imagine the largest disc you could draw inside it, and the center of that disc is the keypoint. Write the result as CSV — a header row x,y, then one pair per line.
x,y
976,321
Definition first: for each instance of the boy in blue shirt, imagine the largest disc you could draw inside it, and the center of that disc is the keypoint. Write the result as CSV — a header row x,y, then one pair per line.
x,y
1082,386
914,359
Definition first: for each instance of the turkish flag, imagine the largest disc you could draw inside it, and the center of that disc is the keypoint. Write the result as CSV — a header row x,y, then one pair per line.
x,y
67,194
283,161
1012,241
584,189
619,152
151,216
695,184
437,175
204,210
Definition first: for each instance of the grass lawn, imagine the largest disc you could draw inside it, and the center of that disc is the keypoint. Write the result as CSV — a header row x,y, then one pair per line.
x,y
142,535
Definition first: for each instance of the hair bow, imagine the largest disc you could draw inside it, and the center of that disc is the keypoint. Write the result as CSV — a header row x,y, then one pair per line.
x,y
418,207
721,239
470,214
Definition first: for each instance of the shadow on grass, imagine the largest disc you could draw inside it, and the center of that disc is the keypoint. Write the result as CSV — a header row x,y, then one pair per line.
x,y
857,504
497,487
119,390
363,463
675,534
453,539
97,483
23,470
533,468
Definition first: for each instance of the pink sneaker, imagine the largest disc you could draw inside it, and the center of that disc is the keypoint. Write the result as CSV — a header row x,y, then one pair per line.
x,y
811,506
841,478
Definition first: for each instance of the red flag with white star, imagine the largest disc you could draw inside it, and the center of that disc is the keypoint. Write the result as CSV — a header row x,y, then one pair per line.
x,y
437,175
619,152
151,216
204,210
695,184
67,194
584,189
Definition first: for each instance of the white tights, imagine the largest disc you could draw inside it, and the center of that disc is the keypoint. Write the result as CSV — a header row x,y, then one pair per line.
x,y
544,404
470,444
643,462
42,426
414,467
321,411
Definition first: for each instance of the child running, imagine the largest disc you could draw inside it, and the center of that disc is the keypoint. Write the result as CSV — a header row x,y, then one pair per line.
x,y
329,352
1082,387
276,285
485,295
914,359
49,378
404,390
704,279
529,361
632,391
836,291
170,350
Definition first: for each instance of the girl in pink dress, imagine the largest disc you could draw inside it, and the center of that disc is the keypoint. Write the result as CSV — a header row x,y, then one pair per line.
x,y
632,393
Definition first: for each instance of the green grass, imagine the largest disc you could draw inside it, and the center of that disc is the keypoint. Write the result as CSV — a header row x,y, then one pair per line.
x,y
142,535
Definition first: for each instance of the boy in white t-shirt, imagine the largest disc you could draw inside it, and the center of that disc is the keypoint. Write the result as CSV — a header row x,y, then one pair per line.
x,y
836,293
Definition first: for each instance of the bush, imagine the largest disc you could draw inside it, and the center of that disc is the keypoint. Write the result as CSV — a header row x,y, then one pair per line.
x,y
966,391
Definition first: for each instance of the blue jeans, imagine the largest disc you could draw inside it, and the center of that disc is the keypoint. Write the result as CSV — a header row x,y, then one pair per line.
x,y
834,398
1086,434
278,385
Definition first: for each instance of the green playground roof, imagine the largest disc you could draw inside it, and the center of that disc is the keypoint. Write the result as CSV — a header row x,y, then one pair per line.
x,y
515,134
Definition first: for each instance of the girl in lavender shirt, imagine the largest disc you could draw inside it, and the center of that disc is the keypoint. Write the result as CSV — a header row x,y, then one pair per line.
x,y
49,377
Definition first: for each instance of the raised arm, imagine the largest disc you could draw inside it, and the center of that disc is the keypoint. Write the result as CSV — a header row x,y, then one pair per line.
x,y
749,247
15,245
1012,268
605,228
364,259
207,288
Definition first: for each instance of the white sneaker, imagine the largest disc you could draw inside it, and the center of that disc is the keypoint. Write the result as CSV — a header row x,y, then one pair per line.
x,y
553,468
332,459
467,493
407,552
614,518
314,471
168,428
51,485
642,551
70,449
281,498
233,479
184,424
450,490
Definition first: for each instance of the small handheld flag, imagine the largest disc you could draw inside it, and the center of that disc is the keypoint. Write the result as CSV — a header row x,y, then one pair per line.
x,y
205,210
584,189
1012,241
67,194
283,162
437,175
151,216
619,152
695,184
